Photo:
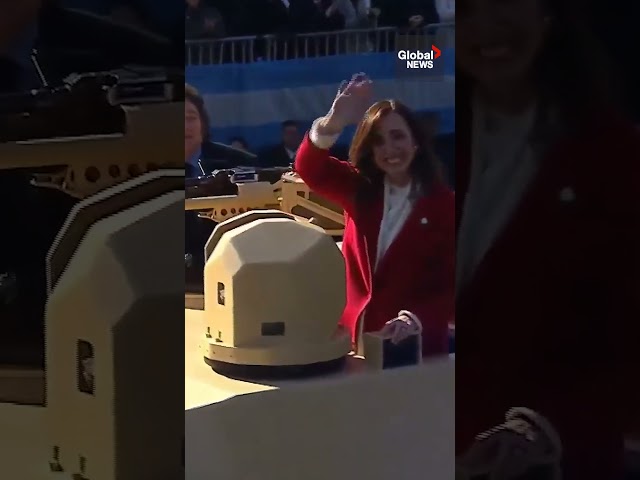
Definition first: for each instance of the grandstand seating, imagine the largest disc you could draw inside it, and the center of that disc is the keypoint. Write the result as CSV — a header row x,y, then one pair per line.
x,y
250,49
256,96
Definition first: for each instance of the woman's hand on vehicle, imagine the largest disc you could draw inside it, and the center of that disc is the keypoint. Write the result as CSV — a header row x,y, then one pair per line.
x,y
401,328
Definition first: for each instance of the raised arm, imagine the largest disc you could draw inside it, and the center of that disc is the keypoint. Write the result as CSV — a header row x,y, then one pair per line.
x,y
336,180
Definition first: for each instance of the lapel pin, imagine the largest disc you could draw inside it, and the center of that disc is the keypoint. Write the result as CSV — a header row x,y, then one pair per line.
x,y
567,195
424,221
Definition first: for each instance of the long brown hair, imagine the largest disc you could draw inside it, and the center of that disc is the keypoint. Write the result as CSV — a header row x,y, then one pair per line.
x,y
425,169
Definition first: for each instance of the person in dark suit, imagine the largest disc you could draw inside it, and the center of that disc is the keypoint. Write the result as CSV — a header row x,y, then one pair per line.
x,y
308,17
399,243
202,157
548,261
283,154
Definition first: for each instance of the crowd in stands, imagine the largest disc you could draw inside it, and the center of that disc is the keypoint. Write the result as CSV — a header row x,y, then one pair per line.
x,y
290,29
215,19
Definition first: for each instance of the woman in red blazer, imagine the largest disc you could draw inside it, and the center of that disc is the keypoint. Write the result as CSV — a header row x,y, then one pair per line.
x,y
548,265
399,244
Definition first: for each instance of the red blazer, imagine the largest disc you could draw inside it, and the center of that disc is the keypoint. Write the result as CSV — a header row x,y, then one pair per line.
x,y
418,271
551,318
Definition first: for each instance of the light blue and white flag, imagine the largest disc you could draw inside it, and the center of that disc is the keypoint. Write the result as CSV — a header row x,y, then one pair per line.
x,y
251,100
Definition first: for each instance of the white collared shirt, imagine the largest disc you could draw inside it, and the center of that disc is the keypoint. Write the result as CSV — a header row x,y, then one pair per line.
x,y
396,210
397,202
291,153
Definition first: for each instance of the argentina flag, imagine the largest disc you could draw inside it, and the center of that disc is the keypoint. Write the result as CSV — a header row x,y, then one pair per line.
x,y
251,100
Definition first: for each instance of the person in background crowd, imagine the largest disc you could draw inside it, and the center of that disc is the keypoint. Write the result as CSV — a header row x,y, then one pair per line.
x,y
353,13
202,21
356,15
309,16
548,260
329,19
445,36
446,10
202,156
399,240
283,154
262,17
270,17
406,13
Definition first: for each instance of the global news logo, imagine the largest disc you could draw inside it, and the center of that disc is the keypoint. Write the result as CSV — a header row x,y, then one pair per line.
x,y
418,59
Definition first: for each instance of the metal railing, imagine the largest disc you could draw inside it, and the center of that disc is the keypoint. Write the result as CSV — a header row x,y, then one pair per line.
x,y
309,45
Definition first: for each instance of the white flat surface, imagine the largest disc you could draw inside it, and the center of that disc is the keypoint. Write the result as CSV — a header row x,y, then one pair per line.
x,y
24,453
205,387
356,425
202,385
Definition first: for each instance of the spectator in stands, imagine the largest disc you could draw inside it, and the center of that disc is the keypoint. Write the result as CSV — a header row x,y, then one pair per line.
x,y
354,15
202,21
396,202
445,35
268,17
446,10
332,18
548,264
353,12
308,16
239,143
283,154
406,13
